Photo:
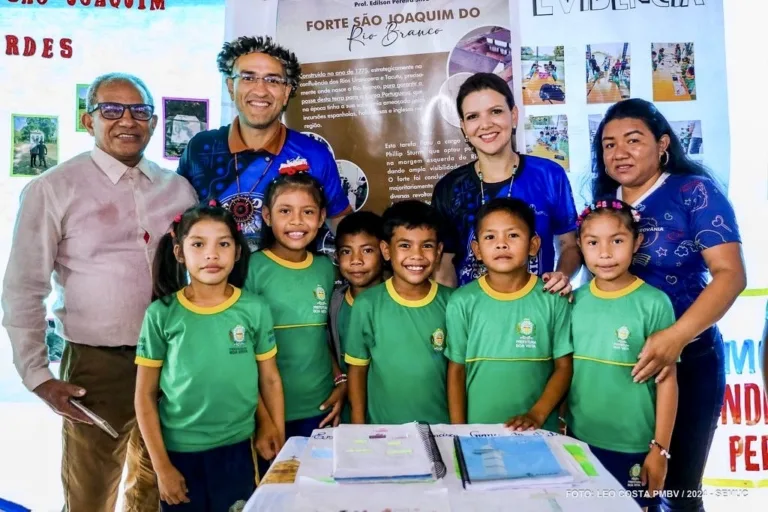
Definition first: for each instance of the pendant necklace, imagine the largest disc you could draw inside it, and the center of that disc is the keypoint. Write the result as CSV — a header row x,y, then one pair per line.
x,y
242,206
511,180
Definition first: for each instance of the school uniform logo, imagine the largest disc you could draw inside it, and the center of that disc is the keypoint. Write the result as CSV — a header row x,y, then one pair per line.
x,y
526,330
237,336
622,335
321,306
319,293
438,340
634,476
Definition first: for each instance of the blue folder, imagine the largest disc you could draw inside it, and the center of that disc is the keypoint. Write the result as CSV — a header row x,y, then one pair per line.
x,y
506,458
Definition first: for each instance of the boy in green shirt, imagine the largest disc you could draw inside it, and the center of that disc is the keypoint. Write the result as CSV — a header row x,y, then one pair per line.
x,y
358,240
397,329
509,342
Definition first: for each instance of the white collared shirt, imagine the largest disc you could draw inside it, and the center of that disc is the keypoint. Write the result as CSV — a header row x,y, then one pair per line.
x,y
93,223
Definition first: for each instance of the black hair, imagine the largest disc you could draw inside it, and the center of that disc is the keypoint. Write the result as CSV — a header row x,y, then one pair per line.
x,y
245,45
299,180
410,214
360,223
170,275
611,206
678,162
512,206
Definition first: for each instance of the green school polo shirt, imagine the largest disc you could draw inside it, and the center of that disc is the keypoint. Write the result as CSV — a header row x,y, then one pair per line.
x,y
508,343
298,295
402,342
605,407
209,376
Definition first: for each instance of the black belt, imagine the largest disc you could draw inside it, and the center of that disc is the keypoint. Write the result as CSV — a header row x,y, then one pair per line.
x,y
121,348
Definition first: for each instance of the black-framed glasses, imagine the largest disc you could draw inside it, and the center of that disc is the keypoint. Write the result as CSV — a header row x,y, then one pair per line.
x,y
269,80
112,111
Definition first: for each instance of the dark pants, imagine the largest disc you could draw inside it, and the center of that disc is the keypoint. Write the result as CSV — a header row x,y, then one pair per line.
x,y
218,480
295,428
625,467
701,383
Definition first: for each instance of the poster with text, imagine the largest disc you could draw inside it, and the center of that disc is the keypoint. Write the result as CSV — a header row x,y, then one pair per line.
x,y
379,85
580,58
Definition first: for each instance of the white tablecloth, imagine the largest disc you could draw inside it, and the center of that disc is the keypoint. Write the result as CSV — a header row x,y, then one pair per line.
x,y
597,494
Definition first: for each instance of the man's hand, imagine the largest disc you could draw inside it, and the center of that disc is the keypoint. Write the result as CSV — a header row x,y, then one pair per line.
x,y
56,393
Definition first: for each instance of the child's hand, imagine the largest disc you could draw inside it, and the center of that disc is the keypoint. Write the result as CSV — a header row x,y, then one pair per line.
x,y
335,402
527,421
268,441
654,471
173,487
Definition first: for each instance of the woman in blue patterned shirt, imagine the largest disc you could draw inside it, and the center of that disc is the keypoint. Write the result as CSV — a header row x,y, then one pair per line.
x,y
690,234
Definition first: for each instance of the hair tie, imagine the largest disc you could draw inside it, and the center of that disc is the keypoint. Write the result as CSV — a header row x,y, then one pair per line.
x,y
177,218
212,202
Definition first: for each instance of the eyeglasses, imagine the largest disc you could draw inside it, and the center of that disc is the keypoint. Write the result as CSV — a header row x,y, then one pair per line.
x,y
269,80
112,111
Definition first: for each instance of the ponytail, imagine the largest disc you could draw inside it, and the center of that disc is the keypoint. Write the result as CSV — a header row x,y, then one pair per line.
x,y
168,274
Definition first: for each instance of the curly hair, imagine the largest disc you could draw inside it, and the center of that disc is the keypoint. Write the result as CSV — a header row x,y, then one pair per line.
x,y
245,45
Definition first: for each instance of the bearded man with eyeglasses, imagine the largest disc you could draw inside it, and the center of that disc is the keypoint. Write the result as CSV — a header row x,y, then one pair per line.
x,y
235,163
93,223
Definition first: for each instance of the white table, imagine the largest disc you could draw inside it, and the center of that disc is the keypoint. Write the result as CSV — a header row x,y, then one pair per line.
x,y
597,494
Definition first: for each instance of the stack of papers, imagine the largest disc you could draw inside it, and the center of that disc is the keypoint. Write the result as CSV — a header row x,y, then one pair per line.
x,y
508,462
371,453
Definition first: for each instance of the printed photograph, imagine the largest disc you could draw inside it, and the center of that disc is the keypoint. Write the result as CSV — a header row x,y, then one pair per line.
x,y
35,144
183,118
674,78
608,72
326,245
689,133
354,182
81,92
543,72
547,137
320,138
446,102
594,124
484,49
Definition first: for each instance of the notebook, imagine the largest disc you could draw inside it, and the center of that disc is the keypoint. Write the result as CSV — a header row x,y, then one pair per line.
x,y
508,462
385,453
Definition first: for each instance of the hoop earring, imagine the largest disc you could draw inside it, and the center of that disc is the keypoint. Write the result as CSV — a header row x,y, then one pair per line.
x,y
666,160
